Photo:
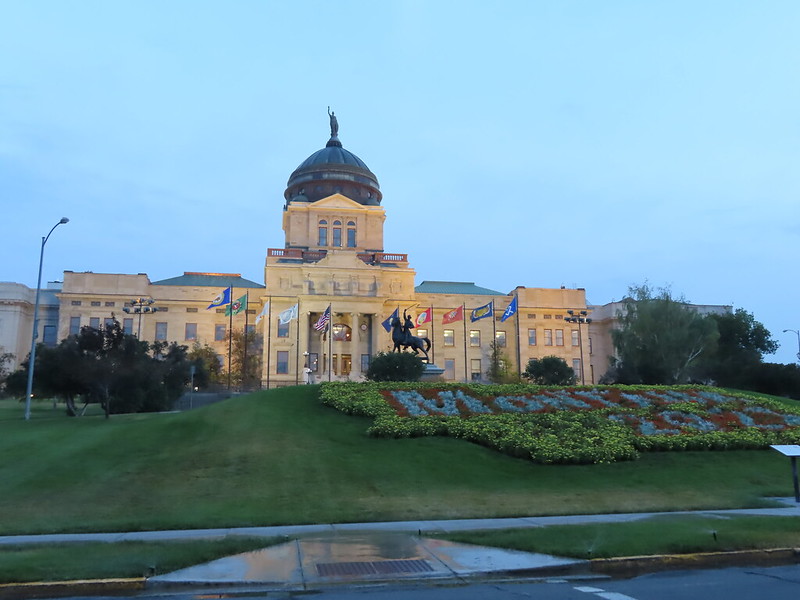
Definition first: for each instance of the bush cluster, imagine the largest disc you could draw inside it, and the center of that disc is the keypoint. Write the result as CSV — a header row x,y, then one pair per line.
x,y
590,424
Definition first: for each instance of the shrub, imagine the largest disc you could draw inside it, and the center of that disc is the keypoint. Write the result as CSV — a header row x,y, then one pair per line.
x,y
395,366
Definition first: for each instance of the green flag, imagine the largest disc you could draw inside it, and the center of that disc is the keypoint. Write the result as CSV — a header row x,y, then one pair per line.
x,y
236,306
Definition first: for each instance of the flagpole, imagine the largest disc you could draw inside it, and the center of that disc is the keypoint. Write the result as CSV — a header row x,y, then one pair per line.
x,y
433,346
230,336
269,334
244,361
297,348
464,320
519,347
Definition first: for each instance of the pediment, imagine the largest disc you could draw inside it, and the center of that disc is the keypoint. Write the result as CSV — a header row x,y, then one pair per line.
x,y
338,201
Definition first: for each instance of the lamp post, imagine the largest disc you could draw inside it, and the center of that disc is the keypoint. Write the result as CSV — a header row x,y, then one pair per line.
x,y
140,306
798,339
579,320
32,358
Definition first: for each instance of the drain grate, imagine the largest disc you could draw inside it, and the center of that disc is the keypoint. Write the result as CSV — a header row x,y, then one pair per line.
x,y
375,567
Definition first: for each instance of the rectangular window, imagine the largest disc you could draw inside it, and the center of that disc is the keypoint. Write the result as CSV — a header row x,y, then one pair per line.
x,y
500,339
323,236
559,316
74,325
421,333
110,303
108,322
161,331
576,366
95,303
282,367
162,309
531,316
283,329
548,337
49,335
188,309
449,337
94,322
191,332
559,337
475,369
351,238
547,316
337,237
127,326
531,337
347,364
219,333
364,363
76,303
474,337
575,339
449,369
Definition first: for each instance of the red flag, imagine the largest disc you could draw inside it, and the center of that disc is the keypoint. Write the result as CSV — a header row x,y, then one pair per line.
x,y
426,316
457,314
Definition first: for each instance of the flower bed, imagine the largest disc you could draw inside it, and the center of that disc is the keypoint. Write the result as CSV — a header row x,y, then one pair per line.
x,y
570,425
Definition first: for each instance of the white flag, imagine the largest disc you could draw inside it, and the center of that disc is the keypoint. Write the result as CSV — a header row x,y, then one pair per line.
x,y
288,314
263,313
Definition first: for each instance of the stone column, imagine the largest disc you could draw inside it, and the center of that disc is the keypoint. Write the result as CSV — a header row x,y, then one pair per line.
x,y
355,345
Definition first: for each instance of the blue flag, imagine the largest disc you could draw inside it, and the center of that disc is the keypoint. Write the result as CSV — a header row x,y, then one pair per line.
x,y
387,324
487,310
223,298
510,310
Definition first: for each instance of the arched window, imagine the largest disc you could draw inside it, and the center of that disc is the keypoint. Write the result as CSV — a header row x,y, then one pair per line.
x,y
351,234
337,234
342,333
323,233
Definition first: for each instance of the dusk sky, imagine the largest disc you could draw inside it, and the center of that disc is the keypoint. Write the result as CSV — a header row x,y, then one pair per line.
x,y
536,143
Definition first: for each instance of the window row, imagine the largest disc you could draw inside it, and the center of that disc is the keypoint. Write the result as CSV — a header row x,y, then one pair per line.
x,y
336,233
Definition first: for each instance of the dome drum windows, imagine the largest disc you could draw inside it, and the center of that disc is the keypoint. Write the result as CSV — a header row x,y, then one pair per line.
x,y
336,239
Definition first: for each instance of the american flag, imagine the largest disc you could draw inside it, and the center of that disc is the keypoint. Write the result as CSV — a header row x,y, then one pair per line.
x,y
322,322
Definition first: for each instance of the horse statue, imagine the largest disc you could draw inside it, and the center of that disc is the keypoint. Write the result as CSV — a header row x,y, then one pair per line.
x,y
402,337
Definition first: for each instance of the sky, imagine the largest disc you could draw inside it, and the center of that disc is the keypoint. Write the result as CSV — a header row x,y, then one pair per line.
x,y
536,143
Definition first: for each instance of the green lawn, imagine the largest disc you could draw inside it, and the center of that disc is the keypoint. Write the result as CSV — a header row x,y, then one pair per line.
x,y
679,534
279,457
98,560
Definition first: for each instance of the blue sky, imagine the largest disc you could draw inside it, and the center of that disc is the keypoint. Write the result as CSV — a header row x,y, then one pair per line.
x,y
578,143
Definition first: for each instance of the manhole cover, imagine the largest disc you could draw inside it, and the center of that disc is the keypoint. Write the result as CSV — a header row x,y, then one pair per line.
x,y
375,567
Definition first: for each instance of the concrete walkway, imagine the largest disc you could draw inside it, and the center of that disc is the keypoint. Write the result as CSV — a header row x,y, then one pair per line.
x,y
326,554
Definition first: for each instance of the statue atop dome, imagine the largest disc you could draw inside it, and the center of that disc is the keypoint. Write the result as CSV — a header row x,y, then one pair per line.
x,y
334,123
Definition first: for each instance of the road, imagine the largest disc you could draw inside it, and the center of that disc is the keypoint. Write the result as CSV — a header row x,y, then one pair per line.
x,y
773,583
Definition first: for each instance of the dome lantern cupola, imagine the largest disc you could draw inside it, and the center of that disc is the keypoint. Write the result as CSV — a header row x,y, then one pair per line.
x,y
333,170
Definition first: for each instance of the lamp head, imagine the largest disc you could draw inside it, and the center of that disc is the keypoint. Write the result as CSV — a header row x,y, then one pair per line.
x,y
63,221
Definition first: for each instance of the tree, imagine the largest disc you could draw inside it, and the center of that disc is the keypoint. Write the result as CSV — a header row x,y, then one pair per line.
x,y
659,338
499,370
550,370
246,358
742,343
395,366
109,367
5,360
207,364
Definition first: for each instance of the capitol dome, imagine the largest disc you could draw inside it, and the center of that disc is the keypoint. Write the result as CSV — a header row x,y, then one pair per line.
x,y
333,170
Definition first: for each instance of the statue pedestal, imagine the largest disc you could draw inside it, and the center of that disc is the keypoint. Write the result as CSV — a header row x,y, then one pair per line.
x,y
432,373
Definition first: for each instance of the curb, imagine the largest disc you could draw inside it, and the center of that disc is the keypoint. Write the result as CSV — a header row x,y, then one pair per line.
x,y
632,566
49,589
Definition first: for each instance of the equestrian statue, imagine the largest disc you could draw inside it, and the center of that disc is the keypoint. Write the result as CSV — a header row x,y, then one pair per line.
x,y
401,336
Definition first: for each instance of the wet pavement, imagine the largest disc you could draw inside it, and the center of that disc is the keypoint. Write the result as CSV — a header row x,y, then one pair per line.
x,y
362,556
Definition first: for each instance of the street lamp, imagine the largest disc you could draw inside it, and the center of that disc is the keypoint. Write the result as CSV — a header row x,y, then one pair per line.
x,y
140,306
798,340
32,358
579,319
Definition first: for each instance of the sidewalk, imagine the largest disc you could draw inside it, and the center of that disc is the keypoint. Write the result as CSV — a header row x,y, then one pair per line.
x,y
357,552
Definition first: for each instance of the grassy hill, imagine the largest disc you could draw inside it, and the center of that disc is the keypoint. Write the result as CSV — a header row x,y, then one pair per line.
x,y
280,457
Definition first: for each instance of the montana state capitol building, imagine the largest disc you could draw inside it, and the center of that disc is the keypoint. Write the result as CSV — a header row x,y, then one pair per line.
x,y
334,256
